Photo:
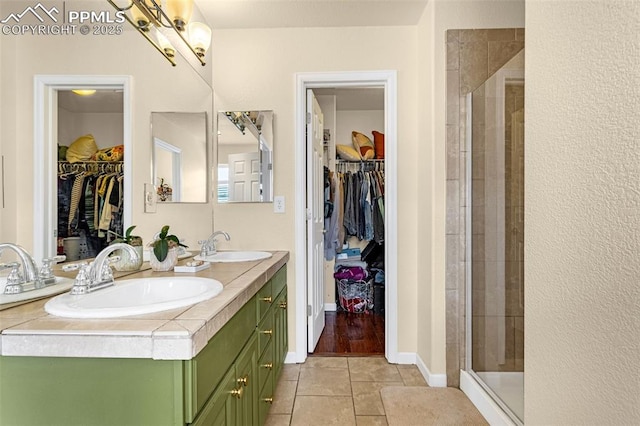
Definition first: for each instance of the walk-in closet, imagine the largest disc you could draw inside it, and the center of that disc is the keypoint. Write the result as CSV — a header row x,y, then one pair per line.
x,y
353,192
90,175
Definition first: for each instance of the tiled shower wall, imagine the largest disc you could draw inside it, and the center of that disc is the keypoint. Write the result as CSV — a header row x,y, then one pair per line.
x,y
472,56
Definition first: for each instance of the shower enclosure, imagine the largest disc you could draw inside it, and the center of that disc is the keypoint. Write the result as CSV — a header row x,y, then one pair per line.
x,y
495,245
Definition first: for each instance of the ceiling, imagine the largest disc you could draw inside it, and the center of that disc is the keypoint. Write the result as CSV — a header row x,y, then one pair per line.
x,y
243,14
103,101
356,99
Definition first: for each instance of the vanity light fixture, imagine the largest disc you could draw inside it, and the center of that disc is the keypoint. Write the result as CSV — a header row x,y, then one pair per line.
x,y
149,17
84,92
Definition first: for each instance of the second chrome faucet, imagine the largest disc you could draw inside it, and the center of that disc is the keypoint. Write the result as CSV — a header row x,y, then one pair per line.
x,y
209,245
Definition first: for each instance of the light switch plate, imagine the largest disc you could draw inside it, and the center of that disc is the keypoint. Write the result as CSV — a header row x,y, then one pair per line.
x,y
149,198
278,204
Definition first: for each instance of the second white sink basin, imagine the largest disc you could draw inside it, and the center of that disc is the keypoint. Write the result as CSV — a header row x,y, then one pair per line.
x,y
135,297
235,256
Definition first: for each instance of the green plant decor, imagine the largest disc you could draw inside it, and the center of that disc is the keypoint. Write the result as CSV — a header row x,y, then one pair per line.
x,y
164,243
127,238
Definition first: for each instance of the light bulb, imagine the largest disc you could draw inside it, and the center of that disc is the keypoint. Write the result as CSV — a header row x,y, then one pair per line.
x,y
84,92
139,18
179,11
165,44
199,36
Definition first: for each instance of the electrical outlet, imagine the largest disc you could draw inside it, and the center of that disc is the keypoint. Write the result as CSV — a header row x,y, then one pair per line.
x,y
278,204
149,198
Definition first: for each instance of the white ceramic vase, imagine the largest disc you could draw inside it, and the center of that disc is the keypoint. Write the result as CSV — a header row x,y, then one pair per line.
x,y
126,263
167,264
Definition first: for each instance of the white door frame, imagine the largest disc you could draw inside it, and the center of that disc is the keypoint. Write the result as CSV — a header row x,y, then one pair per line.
x,y
387,80
45,152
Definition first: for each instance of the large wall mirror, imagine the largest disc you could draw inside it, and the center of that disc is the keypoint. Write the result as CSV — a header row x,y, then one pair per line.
x,y
180,156
105,70
245,156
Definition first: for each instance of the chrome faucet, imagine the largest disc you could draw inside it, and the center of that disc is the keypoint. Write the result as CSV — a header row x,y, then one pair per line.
x,y
28,266
98,274
209,246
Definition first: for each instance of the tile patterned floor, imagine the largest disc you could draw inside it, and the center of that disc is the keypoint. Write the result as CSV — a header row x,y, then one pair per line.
x,y
338,391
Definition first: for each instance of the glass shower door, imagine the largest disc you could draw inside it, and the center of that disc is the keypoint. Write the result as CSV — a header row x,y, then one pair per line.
x,y
496,218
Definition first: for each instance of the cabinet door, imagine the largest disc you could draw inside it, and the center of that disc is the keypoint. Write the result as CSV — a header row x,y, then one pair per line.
x,y
221,408
247,380
280,331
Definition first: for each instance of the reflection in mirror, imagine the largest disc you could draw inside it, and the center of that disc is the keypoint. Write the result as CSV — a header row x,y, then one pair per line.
x,y
180,156
245,156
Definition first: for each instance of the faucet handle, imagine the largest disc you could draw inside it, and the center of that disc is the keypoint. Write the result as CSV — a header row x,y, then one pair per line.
x,y
81,283
14,279
205,248
46,271
10,265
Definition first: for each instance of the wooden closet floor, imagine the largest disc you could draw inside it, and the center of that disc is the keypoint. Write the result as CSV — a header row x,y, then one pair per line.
x,y
347,334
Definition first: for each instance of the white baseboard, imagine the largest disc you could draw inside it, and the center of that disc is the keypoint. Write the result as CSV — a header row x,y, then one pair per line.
x,y
433,380
483,402
290,358
405,358
330,307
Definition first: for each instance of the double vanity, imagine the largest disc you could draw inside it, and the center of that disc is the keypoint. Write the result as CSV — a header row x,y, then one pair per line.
x,y
213,362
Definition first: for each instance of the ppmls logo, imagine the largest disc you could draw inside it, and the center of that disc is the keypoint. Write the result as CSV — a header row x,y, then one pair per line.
x,y
16,17
40,20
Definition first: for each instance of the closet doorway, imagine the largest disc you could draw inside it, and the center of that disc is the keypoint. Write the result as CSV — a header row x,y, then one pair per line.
x,y
49,89
336,305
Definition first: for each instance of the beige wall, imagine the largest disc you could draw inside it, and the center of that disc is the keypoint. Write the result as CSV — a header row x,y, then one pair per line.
x,y
79,55
8,212
255,69
582,217
434,166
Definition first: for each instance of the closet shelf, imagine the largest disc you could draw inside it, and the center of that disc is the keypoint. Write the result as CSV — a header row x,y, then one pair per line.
x,y
90,166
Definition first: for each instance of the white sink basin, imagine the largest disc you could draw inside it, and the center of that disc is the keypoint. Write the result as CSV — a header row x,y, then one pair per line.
x,y
135,297
61,285
235,256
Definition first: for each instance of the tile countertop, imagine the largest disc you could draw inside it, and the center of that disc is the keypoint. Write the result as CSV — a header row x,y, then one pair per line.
x,y
177,334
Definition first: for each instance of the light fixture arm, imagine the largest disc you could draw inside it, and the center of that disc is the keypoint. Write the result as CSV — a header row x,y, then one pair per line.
x,y
156,16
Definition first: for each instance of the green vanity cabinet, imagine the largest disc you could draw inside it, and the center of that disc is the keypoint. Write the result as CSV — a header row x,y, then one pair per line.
x,y
229,382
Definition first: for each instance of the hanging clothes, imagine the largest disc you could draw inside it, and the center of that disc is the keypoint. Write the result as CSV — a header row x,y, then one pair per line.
x,y
363,210
90,203
333,223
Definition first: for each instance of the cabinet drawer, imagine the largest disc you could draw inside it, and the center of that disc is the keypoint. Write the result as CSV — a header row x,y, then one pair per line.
x,y
266,366
264,300
265,332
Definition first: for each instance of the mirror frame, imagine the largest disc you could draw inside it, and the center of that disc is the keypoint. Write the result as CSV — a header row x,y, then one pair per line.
x,y
45,153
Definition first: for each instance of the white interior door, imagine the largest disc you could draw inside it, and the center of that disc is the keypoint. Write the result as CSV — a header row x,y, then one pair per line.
x,y
244,177
315,221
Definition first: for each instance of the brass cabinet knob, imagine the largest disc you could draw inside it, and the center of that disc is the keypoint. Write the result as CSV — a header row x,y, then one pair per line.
x,y
268,400
283,305
244,381
269,332
268,366
266,299
237,392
